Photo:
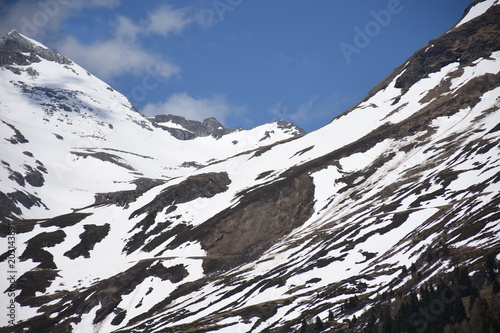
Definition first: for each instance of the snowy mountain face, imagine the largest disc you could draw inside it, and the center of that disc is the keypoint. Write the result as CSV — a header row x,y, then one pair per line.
x,y
384,220
68,136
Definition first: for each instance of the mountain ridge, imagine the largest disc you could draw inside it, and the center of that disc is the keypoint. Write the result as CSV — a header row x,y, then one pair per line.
x,y
184,129
483,46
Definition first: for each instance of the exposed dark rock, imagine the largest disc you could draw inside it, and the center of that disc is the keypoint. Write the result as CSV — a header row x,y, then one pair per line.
x,y
8,208
138,239
267,135
32,72
28,200
35,248
119,317
105,157
200,186
92,235
163,236
41,167
303,151
17,177
243,232
13,49
7,254
67,220
289,127
192,128
191,164
495,129
34,177
264,174
32,282
18,137
476,40
18,227
54,94
123,198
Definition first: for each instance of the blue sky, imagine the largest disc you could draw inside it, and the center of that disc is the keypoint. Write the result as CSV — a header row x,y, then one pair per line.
x,y
246,62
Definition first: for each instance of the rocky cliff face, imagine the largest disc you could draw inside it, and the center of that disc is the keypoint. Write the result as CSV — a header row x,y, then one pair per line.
x,y
384,220
184,129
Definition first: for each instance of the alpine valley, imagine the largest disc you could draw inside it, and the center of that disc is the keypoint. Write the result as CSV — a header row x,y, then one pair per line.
x,y
386,219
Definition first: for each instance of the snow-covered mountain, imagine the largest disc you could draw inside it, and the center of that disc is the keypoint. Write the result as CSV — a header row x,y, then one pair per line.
x,y
68,135
384,220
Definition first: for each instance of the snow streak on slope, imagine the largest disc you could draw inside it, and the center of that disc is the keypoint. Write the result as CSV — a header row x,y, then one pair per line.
x,y
477,10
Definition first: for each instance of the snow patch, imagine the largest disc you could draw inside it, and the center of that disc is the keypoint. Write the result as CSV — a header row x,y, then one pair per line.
x,y
478,10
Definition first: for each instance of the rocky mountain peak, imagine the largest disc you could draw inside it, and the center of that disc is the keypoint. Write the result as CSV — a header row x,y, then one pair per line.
x,y
184,129
289,126
17,49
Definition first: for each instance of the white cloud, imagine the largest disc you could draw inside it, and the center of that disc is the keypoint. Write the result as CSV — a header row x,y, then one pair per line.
x,y
300,115
306,111
95,3
119,54
115,57
163,21
125,29
122,53
33,19
166,20
317,109
41,19
182,104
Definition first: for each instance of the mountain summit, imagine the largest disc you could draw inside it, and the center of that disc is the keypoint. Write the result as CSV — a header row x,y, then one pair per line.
x,y
16,49
384,220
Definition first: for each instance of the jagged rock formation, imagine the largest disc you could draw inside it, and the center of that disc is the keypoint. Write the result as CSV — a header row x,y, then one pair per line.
x,y
190,129
184,129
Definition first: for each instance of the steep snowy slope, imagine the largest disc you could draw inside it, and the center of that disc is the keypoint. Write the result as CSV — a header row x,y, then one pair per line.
x,y
336,230
67,136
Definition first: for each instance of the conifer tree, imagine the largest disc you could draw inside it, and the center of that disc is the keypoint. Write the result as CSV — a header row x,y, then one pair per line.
x,y
318,325
496,286
491,266
330,315
387,326
304,326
